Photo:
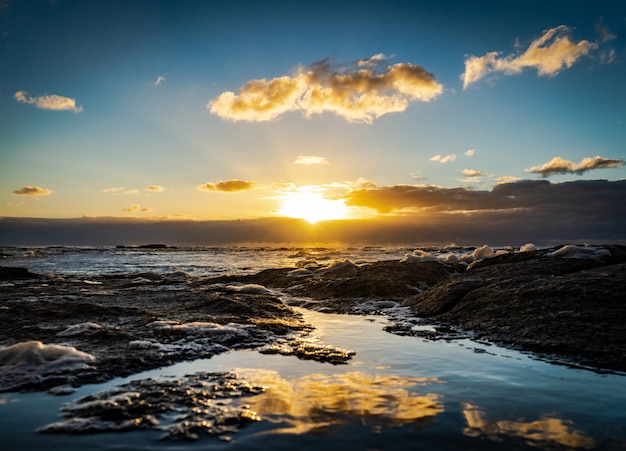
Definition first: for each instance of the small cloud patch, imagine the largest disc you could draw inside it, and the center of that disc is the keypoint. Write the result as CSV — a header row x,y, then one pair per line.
x,y
559,165
32,191
49,102
228,186
310,160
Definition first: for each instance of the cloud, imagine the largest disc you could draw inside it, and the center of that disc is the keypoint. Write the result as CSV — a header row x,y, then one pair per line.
x,y
443,159
470,152
310,159
228,186
473,173
160,79
120,190
155,188
32,191
358,92
559,165
549,54
136,208
538,211
49,102
603,31
570,199
507,179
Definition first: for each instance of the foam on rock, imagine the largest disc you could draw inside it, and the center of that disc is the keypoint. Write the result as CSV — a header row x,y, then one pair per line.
x,y
35,363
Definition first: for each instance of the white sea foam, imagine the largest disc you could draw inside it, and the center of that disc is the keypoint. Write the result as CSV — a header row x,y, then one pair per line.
x,y
33,362
572,251
528,247
483,252
77,329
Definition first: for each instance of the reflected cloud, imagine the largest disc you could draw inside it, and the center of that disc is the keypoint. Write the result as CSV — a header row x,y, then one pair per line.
x,y
319,401
544,432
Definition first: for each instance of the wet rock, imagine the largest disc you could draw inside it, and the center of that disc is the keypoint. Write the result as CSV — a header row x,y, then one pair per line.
x,y
572,309
200,402
14,273
130,327
343,286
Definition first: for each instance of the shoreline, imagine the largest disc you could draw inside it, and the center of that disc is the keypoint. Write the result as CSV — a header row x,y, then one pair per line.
x,y
564,308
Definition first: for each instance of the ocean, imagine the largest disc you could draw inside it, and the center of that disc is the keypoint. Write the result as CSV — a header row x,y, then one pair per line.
x,y
394,393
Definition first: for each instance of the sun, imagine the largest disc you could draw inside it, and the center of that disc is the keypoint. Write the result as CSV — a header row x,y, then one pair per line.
x,y
313,207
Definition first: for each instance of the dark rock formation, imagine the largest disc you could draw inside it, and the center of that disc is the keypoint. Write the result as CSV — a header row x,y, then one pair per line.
x,y
340,286
11,273
565,308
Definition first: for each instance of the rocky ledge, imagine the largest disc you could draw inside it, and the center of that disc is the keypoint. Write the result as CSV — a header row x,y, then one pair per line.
x,y
566,303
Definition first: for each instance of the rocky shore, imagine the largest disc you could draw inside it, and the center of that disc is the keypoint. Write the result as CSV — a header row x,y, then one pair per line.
x,y
61,332
565,304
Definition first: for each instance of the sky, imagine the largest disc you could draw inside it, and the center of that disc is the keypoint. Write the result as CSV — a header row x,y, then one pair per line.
x,y
432,121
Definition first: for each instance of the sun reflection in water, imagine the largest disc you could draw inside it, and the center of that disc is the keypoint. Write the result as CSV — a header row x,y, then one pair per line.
x,y
318,401
546,431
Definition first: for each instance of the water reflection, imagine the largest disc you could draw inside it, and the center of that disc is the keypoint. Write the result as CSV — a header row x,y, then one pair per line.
x,y
318,401
544,432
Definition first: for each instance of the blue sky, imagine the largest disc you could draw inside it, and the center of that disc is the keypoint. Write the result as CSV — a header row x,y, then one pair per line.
x,y
122,108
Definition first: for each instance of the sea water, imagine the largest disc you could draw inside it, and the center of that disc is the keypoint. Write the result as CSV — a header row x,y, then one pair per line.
x,y
397,393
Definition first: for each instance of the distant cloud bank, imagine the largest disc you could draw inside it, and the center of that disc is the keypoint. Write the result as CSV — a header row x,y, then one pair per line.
x,y
578,199
49,102
548,54
537,211
559,165
358,92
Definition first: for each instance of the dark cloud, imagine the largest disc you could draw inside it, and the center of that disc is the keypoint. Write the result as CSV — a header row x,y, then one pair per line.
x,y
578,199
513,214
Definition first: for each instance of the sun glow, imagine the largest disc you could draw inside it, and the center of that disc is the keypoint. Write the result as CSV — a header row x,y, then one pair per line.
x,y
313,207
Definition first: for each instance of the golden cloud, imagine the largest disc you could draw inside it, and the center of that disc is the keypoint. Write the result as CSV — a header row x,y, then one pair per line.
x,y
120,190
473,173
49,102
559,165
32,191
155,188
136,208
227,186
549,54
585,197
444,158
310,159
358,92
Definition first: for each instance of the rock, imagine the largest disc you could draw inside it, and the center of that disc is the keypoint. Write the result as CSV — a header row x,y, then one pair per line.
x,y
573,309
14,273
340,287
